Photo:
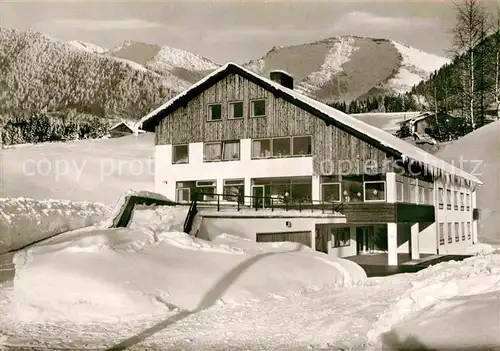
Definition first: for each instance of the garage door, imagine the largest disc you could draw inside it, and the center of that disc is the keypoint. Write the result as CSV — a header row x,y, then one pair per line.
x,y
296,237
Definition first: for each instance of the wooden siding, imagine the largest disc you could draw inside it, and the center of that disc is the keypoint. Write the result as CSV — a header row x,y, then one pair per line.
x,y
369,212
189,124
295,237
388,212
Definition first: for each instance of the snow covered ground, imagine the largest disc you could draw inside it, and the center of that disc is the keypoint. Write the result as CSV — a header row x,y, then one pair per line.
x,y
149,272
85,170
150,286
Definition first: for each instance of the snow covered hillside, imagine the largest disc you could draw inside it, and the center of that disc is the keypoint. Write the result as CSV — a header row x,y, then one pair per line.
x,y
24,221
89,47
85,170
350,67
390,122
479,153
184,65
416,66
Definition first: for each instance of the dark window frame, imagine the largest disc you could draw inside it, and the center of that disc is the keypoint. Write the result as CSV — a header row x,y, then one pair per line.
x,y
173,154
209,114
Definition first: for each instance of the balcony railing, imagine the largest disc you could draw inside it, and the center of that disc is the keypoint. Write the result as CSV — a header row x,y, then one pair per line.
x,y
264,203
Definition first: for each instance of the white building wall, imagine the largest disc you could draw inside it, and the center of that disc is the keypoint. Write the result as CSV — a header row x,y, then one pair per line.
x,y
213,226
452,216
167,174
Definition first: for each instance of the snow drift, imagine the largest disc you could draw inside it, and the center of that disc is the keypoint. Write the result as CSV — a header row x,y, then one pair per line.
x,y
451,292
24,221
96,274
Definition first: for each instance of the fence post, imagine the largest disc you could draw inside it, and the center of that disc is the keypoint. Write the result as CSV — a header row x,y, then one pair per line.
x,y
300,205
272,204
218,202
238,201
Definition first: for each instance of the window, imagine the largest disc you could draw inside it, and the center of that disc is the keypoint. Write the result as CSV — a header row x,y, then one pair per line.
x,y
226,151
413,191
468,230
330,192
231,150
205,189
234,190
462,201
341,237
430,195
180,154
302,145
448,199
187,190
215,112
441,233
374,191
258,108
261,148
457,232
399,190
352,188
463,231
455,200
236,109
212,152
281,147
421,194
450,236
441,198
467,196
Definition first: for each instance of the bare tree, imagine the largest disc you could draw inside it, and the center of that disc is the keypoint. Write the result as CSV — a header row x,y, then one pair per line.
x,y
496,27
469,32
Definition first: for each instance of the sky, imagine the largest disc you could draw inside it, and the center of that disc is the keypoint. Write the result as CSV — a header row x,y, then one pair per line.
x,y
235,31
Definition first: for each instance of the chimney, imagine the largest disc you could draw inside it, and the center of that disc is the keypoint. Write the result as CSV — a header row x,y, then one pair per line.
x,y
283,78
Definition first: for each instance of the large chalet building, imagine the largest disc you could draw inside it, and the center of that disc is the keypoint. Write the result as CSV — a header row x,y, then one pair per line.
x,y
249,137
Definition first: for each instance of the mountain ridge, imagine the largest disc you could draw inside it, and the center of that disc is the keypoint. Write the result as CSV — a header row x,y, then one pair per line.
x,y
133,77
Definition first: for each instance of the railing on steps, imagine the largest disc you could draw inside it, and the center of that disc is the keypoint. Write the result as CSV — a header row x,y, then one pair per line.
x,y
193,210
263,203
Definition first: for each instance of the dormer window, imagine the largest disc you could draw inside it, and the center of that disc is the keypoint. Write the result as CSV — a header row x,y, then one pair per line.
x,y
214,112
258,108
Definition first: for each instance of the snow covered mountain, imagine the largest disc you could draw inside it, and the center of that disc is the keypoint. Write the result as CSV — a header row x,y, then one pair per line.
x,y
89,47
41,71
349,67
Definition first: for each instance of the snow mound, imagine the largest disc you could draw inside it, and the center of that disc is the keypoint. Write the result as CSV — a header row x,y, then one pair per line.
x,y
440,284
24,221
416,66
119,274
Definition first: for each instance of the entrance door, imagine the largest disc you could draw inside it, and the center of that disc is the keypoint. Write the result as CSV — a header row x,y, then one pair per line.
x,y
364,240
321,240
258,196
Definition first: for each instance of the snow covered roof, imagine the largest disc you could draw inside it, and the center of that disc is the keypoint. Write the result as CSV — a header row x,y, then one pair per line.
x,y
375,136
129,125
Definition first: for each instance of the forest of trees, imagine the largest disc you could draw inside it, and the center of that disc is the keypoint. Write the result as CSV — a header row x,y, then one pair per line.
x,y
388,103
469,86
41,127
39,74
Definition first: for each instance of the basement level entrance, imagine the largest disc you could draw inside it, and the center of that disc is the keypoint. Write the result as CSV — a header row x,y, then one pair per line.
x,y
296,237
